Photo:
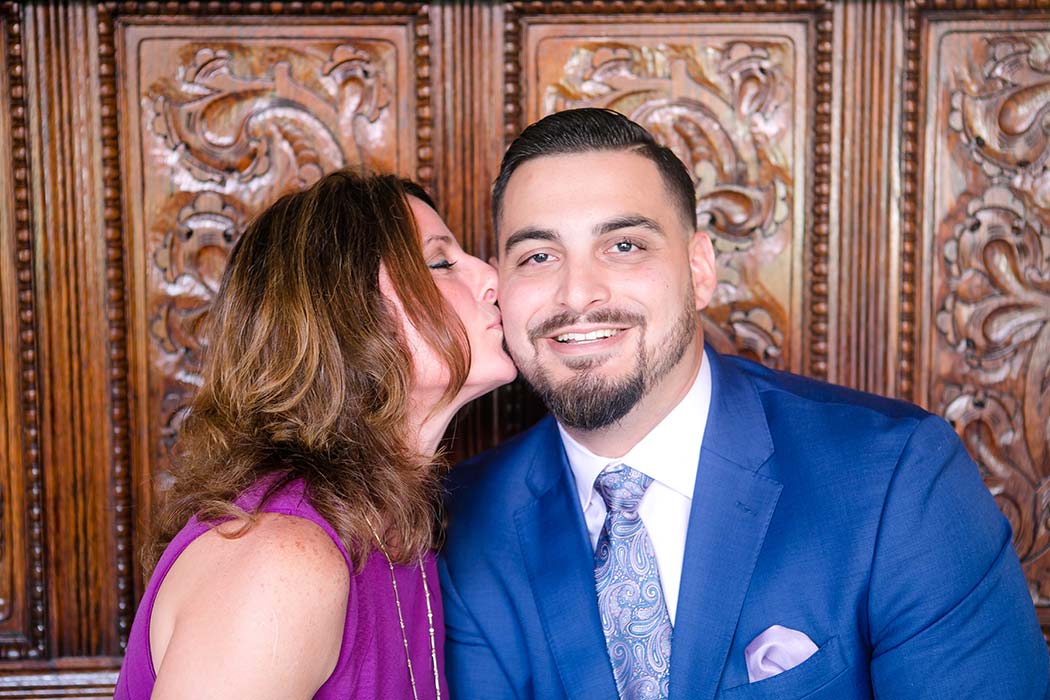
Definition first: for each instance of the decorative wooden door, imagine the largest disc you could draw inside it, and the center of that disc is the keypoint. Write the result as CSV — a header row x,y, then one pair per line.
x,y
873,174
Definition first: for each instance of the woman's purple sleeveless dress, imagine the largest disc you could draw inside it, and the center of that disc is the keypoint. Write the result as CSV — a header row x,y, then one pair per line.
x,y
372,659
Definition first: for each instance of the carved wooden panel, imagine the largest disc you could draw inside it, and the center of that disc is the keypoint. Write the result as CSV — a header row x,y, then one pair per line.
x,y
984,332
221,120
731,95
742,94
874,174
22,579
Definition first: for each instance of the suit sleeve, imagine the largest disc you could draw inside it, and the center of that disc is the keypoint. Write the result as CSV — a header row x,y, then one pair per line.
x,y
949,611
471,667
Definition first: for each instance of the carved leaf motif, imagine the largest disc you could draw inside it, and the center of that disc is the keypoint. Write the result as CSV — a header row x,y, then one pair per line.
x,y
237,124
725,111
192,260
221,124
994,312
1003,113
993,430
996,316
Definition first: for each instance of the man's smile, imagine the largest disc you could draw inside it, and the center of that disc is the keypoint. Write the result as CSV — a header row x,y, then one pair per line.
x,y
587,336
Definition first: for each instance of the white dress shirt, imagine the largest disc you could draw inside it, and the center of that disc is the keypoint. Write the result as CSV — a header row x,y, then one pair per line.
x,y
669,454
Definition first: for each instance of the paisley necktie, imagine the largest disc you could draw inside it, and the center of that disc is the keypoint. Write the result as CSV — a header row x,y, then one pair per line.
x,y
630,598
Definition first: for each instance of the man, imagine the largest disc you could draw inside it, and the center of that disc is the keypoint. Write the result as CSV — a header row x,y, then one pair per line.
x,y
689,525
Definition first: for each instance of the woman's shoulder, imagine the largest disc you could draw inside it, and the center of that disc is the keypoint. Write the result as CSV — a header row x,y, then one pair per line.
x,y
283,578
279,556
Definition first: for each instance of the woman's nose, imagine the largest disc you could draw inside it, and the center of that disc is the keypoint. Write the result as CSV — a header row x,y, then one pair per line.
x,y
488,282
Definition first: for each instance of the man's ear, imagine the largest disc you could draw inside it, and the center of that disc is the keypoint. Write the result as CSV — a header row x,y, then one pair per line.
x,y
702,264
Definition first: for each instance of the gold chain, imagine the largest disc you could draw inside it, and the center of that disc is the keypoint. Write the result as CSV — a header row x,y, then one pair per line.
x,y
401,620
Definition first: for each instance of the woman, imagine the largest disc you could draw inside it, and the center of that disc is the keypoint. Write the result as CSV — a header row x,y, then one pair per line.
x,y
348,330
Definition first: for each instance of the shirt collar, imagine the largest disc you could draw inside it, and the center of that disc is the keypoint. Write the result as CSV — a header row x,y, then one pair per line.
x,y
669,453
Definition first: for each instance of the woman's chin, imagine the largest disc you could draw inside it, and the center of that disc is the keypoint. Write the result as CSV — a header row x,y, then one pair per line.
x,y
478,386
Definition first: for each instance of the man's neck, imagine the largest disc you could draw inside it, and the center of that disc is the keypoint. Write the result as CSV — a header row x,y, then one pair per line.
x,y
616,440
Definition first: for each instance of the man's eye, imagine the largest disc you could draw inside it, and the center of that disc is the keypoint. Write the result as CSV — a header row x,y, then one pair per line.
x,y
625,246
538,258
441,265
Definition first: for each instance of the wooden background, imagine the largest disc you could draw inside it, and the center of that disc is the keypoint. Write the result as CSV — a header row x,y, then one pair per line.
x,y
874,175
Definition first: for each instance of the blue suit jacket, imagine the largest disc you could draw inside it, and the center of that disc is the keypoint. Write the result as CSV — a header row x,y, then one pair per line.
x,y
857,520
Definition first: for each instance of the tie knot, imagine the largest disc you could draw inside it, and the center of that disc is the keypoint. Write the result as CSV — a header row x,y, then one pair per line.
x,y
622,487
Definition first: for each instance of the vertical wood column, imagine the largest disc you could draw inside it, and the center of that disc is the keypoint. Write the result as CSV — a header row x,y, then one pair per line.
x,y
23,581
85,614
469,38
867,200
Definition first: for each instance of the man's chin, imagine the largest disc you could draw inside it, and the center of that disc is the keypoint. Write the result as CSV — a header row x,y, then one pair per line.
x,y
587,400
602,367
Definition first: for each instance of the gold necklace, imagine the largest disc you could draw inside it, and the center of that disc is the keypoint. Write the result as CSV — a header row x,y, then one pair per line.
x,y
401,620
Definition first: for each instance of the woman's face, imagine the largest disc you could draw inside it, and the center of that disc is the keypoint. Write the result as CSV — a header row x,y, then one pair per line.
x,y
469,287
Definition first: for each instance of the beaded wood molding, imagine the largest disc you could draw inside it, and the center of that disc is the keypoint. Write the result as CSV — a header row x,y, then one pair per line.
x,y
34,644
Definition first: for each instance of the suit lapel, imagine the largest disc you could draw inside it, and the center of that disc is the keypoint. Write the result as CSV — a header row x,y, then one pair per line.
x,y
560,563
732,507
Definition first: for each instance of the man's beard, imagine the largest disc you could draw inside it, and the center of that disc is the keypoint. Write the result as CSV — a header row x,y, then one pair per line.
x,y
589,401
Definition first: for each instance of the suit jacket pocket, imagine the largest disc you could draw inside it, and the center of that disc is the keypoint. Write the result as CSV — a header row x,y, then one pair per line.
x,y
796,683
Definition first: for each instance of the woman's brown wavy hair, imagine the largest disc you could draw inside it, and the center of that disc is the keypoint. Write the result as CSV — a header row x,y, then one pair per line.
x,y
307,373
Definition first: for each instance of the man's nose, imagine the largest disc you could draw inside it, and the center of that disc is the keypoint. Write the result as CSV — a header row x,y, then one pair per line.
x,y
583,286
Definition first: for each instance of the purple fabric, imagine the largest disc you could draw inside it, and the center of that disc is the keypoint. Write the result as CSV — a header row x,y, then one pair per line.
x,y
372,659
776,650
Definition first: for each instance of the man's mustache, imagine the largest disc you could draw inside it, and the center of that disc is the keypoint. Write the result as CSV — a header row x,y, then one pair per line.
x,y
612,317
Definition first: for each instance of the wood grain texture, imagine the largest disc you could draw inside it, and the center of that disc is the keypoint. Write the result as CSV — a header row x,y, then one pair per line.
x,y
866,207
73,679
985,324
905,142
24,582
469,145
74,330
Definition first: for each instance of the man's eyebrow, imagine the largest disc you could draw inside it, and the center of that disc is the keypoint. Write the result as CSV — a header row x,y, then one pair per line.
x,y
628,221
528,234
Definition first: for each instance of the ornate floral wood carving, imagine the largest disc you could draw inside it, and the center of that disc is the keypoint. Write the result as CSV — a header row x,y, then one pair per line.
x,y
29,642
729,107
247,138
729,94
239,125
990,370
726,110
218,121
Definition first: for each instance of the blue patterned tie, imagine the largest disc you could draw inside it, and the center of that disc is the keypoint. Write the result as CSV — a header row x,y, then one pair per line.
x,y
630,598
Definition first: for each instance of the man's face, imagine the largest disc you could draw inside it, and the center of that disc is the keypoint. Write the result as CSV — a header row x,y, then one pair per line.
x,y
600,281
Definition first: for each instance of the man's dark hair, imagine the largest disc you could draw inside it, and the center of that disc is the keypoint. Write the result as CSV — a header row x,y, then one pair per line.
x,y
590,129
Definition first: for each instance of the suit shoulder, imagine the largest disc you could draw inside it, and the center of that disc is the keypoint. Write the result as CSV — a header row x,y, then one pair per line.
x,y
494,477
784,389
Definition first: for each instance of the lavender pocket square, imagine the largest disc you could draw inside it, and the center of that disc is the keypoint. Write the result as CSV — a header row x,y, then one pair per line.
x,y
776,650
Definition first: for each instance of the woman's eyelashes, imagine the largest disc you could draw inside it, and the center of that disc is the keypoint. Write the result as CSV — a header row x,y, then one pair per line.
x,y
442,264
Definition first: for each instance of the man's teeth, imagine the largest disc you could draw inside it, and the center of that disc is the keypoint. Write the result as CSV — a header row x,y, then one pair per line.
x,y
586,337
